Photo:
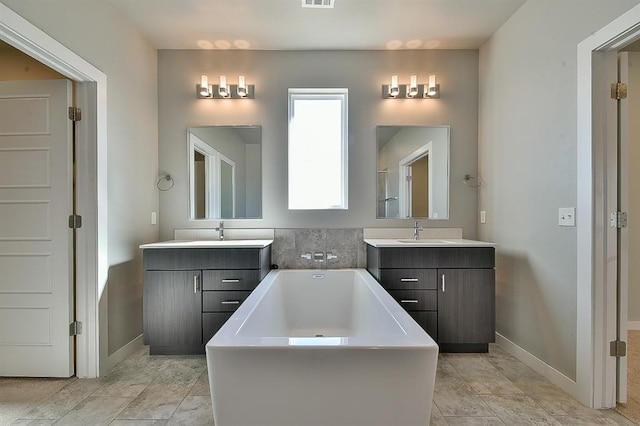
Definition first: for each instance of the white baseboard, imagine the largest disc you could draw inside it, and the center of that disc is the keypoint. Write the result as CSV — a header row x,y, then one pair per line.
x,y
553,375
633,325
124,352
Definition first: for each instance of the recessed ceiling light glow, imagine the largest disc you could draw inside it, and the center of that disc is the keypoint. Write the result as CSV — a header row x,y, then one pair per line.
x,y
414,44
204,44
394,44
242,44
222,44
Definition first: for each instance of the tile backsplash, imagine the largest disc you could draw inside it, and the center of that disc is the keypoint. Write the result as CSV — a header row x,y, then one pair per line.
x,y
290,245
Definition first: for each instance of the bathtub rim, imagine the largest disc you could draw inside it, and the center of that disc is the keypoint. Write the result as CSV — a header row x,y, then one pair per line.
x,y
413,337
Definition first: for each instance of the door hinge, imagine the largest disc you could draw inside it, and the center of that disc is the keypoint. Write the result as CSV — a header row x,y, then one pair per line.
x,y
75,328
618,348
75,114
618,220
618,90
75,221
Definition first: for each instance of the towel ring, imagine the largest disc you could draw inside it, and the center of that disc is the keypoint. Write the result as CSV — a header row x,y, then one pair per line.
x,y
169,183
468,178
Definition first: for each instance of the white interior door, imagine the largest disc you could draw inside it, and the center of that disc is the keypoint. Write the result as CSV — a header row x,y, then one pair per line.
x,y
35,242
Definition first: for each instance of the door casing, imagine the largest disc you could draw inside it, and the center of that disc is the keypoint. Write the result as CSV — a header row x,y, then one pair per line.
x,y
91,97
596,284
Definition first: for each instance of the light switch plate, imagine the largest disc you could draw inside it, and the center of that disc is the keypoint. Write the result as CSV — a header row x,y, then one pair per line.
x,y
567,216
154,218
483,216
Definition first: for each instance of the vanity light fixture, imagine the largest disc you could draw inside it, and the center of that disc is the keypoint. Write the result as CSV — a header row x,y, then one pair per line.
x,y
394,89
412,90
431,90
204,90
242,87
223,90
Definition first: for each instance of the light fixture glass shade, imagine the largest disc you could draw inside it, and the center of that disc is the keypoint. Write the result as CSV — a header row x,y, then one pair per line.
x,y
242,87
204,85
223,89
413,86
394,89
431,86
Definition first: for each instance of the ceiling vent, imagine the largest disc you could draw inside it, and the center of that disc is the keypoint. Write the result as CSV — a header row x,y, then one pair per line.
x,y
319,4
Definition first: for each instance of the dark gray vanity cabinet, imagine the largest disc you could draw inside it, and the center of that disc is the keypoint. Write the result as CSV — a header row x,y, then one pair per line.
x,y
189,293
172,308
449,291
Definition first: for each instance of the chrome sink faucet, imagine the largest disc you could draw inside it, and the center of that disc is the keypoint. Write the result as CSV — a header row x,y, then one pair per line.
x,y
416,230
220,230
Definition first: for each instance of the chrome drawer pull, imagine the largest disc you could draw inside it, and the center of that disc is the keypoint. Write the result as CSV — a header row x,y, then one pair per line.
x,y
408,301
231,302
443,287
195,284
409,280
230,280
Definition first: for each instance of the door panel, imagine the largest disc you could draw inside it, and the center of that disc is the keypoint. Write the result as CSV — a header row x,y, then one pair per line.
x,y
35,241
466,306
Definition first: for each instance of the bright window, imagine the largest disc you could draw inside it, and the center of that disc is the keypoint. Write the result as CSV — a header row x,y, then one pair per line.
x,y
318,154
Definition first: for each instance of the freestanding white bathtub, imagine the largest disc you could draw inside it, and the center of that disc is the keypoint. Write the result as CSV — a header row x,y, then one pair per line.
x,y
321,347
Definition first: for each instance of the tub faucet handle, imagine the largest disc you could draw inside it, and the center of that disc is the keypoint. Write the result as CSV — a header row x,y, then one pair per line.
x,y
331,256
306,256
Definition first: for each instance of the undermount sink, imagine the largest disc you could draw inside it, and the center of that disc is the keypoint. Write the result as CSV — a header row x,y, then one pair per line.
x,y
427,241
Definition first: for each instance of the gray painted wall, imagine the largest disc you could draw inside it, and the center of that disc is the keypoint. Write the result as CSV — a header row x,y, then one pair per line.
x,y
527,162
85,26
363,73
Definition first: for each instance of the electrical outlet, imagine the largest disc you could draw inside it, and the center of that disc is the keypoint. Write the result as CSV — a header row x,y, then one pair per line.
x,y
567,216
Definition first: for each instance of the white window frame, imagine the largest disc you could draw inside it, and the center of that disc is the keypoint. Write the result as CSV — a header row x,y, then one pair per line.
x,y
322,94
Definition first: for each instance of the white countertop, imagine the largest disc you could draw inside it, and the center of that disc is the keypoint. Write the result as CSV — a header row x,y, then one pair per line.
x,y
426,242
208,244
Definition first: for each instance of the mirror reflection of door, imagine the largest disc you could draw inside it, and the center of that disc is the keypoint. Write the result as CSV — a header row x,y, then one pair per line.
x,y
200,187
420,187
227,202
228,183
422,154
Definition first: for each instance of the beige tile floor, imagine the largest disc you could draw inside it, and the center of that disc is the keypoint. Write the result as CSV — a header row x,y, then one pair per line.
x,y
471,389
632,408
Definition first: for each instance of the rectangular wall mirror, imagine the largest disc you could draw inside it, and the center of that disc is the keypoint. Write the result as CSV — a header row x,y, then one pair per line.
x,y
225,172
413,172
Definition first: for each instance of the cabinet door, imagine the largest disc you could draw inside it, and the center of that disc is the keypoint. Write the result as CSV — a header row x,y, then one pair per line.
x,y
466,306
172,308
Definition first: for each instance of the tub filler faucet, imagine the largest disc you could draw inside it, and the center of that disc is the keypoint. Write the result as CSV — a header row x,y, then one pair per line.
x,y
416,230
220,230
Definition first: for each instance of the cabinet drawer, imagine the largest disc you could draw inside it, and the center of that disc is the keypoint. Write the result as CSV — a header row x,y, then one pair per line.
x,y
434,257
409,279
222,301
416,300
230,279
428,321
204,258
211,323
